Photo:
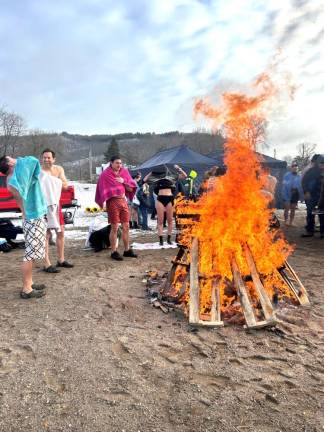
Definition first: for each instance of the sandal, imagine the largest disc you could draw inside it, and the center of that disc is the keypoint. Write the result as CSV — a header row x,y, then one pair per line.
x,y
32,294
51,269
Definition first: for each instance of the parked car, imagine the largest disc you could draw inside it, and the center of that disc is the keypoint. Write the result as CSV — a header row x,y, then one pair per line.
x,y
68,201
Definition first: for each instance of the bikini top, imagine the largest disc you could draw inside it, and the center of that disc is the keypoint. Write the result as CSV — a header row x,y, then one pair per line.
x,y
163,183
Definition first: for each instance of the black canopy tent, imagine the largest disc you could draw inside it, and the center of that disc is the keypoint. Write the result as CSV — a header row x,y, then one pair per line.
x,y
189,160
181,155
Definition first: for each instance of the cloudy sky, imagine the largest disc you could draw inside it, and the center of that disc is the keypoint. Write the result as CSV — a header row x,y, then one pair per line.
x,y
106,66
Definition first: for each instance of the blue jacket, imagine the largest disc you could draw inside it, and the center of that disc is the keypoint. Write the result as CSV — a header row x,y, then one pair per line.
x,y
25,179
291,181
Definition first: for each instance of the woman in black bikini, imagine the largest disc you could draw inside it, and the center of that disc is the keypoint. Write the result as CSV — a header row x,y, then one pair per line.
x,y
164,188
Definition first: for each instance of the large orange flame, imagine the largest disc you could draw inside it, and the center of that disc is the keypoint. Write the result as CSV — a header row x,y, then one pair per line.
x,y
235,212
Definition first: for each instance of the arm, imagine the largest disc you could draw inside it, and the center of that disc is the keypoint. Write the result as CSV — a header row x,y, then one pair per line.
x,y
129,188
285,191
182,174
61,176
17,198
306,184
147,177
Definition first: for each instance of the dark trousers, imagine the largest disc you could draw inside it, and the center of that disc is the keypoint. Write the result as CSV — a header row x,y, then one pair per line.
x,y
143,212
310,218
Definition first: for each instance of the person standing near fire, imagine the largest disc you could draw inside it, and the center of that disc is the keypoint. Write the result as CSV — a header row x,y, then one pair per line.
x,y
164,182
292,192
49,167
313,187
114,186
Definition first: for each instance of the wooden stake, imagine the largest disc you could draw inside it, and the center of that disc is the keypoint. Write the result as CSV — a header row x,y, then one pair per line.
x,y
215,315
302,295
264,299
194,284
288,281
243,295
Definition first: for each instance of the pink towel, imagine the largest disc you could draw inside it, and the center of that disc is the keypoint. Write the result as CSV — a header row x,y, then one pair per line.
x,y
108,187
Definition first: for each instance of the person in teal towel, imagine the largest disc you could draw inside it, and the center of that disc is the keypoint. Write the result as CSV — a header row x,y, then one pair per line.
x,y
23,183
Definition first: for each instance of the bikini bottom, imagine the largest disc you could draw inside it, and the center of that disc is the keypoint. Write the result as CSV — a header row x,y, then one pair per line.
x,y
165,199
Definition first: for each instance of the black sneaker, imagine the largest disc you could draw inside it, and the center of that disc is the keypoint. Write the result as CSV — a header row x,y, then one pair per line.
x,y
308,234
116,256
32,294
38,287
130,254
64,264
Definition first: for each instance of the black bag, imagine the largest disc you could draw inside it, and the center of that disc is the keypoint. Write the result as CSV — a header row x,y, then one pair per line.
x,y
99,240
9,231
5,247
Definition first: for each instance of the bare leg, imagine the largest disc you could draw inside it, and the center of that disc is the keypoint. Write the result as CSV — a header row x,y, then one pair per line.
x,y
60,244
125,235
27,271
292,212
160,209
47,259
169,215
134,215
113,237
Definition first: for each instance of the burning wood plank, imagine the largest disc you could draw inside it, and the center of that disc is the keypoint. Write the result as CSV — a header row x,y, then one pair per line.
x,y
292,280
264,299
302,293
194,301
245,301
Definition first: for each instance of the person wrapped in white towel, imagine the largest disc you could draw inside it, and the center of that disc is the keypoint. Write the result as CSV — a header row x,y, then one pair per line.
x,y
52,189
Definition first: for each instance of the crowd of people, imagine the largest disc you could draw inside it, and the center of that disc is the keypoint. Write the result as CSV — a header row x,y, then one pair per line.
x,y
308,186
128,201
37,190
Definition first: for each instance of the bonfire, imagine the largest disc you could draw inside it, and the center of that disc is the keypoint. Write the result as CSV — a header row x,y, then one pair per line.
x,y
231,262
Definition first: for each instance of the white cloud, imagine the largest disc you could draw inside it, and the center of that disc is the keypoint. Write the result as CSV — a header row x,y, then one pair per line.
x,y
105,66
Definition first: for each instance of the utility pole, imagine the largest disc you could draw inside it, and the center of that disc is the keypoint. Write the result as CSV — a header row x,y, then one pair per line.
x,y
275,153
90,161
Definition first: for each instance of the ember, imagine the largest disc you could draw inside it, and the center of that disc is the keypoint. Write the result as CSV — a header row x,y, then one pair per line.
x,y
230,261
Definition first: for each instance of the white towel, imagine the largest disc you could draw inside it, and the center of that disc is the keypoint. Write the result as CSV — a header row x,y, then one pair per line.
x,y
52,188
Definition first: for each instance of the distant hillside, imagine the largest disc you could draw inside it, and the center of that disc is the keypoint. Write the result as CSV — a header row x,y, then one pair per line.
x,y
73,150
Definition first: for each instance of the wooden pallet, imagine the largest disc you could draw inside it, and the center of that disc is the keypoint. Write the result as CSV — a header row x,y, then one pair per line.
x,y
246,304
214,318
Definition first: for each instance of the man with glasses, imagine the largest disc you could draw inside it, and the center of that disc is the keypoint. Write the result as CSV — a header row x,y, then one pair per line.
x,y
292,192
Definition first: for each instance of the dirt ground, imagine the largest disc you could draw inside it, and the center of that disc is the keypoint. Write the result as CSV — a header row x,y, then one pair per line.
x,y
93,355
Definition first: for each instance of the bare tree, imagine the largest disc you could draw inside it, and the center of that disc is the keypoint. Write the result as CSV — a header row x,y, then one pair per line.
x,y
37,140
256,132
305,153
12,126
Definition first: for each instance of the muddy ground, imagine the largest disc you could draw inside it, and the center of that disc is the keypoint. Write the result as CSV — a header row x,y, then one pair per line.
x,y
93,355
